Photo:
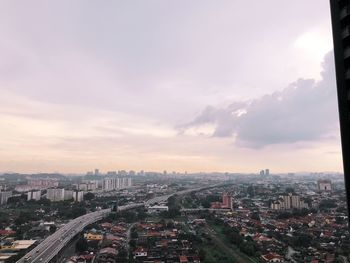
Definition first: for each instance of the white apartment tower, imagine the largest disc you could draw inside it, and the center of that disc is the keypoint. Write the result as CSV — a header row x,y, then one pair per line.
x,y
115,183
34,195
55,194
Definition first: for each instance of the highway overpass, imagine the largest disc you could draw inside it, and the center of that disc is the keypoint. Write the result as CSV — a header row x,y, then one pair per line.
x,y
53,244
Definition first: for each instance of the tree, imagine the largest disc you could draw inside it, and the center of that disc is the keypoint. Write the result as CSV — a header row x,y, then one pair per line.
x,y
141,215
206,202
251,191
24,217
302,240
14,200
122,253
247,248
81,245
89,196
255,216
134,234
53,229
202,254
327,203
122,256
289,190
174,212
236,238
339,220
44,202
132,243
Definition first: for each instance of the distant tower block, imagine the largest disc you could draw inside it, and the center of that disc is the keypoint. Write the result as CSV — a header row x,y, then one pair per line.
x,y
97,172
262,172
267,172
226,201
324,185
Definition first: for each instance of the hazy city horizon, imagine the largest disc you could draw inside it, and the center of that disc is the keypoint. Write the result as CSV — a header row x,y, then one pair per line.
x,y
169,172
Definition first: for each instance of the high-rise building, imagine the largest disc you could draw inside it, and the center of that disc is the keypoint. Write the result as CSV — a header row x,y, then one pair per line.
x,y
286,204
34,195
4,196
83,187
115,183
42,183
97,172
324,185
288,201
267,172
78,196
226,201
68,194
262,172
87,185
295,201
55,194
340,13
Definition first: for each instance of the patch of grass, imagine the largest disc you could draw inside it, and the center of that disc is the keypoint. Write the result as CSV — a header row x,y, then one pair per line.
x,y
216,254
219,232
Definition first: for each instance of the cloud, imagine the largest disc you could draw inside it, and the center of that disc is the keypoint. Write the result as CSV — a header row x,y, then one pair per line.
x,y
304,111
139,58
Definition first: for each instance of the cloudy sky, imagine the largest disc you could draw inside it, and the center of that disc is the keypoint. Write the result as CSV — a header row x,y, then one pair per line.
x,y
181,85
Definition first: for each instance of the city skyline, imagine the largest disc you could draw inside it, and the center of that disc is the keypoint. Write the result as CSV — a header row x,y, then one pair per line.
x,y
158,86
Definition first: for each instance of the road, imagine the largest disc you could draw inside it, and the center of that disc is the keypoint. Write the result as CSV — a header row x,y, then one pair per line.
x,y
53,244
47,249
50,247
128,238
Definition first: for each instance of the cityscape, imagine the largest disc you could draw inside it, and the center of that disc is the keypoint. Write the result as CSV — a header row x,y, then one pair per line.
x,y
128,216
175,131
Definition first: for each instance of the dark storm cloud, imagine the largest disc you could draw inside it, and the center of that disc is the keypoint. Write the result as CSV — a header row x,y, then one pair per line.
x,y
306,110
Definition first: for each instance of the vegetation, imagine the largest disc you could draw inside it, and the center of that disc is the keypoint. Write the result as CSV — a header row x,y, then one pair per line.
x,y
89,196
81,245
326,204
207,200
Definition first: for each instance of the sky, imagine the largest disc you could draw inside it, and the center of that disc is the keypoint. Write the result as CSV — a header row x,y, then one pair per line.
x,y
155,85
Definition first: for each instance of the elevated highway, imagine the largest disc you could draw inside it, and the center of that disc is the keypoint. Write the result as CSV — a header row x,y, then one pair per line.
x,y
52,245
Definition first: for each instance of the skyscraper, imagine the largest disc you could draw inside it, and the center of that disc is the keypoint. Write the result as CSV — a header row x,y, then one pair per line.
x,y
340,12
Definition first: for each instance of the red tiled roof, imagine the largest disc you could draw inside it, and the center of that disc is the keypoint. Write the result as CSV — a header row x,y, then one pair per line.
x,y
4,232
271,256
183,259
